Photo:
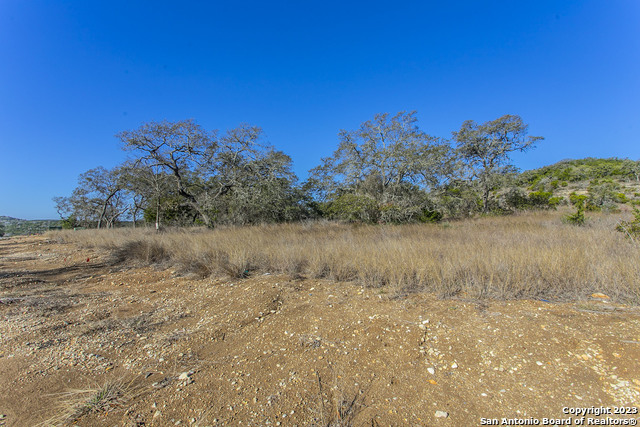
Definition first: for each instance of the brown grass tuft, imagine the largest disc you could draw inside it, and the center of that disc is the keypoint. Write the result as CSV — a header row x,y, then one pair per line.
x,y
74,404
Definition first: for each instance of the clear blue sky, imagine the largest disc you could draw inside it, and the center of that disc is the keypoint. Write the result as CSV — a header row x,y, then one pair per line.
x,y
74,73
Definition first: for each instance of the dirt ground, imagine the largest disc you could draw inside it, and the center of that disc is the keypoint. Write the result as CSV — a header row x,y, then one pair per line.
x,y
278,350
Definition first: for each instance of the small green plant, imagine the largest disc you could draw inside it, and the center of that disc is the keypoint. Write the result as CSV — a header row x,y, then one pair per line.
x,y
430,216
621,198
577,218
631,228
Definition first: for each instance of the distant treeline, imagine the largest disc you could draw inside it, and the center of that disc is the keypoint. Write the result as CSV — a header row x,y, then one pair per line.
x,y
386,171
14,226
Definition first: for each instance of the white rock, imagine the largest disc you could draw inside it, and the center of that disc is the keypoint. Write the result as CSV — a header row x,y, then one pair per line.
x,y
454,365
431,371
441,414
184,376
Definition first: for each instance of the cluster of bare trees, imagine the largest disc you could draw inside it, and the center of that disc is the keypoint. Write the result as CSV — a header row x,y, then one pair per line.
x,y
391,171
182,174
387,170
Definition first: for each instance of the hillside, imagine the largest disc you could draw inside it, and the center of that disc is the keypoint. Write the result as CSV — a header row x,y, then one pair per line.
x,y
607,185
585,169
17,227
619,176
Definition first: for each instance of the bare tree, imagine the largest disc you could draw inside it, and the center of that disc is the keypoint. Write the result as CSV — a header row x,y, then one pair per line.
x,y
98,199
147,185
383,155
102,189
204,167
486,148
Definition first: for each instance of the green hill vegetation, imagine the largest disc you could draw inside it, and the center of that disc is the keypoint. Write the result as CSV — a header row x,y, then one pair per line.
x,y
566,171
14,226
599,183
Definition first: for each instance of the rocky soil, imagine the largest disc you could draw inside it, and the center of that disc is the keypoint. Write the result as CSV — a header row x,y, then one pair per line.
x,y
88,342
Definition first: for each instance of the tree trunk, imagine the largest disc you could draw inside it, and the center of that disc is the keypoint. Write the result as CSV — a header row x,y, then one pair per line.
x,y
485,200
104,210
157,214
205,217
134,215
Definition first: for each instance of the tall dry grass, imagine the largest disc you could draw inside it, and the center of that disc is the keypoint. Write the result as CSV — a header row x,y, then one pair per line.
x,y
532,255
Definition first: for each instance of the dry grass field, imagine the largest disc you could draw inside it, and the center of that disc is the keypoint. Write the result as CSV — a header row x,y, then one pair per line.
x,y
320,324
532,255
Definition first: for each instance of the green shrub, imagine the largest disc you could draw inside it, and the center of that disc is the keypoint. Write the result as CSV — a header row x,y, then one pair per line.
x,y
355,208
70,223
430,216
555,201
517,199
621,198
540,199
574,198
577,218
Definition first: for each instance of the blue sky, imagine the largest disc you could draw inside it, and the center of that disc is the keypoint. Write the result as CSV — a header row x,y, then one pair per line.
x,y
74,73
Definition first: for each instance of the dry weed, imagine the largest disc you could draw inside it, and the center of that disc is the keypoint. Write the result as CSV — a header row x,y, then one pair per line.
x,y
74,404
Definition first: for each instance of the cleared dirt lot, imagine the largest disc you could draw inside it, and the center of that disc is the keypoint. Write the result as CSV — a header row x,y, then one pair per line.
x,y
280,350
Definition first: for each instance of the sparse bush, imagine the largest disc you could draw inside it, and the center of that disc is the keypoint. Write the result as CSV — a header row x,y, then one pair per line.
x,y
459,199
604,194
392,213
631,228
